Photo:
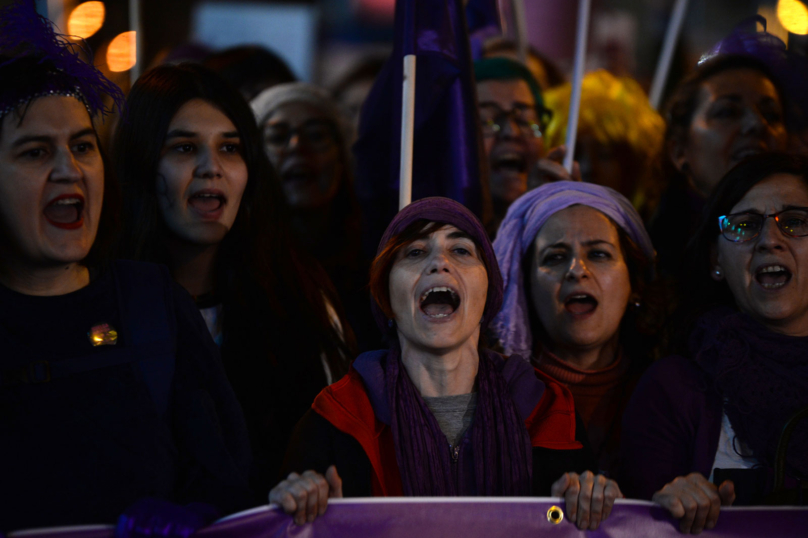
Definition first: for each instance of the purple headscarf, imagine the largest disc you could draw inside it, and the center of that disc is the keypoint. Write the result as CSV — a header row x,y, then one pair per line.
x,y
437,209
517,232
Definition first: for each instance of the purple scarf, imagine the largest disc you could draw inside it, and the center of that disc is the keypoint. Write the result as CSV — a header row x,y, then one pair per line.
x,y
500,445
762,377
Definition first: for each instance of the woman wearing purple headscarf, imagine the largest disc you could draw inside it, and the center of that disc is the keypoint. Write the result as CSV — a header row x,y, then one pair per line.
x,y
576,261
438,414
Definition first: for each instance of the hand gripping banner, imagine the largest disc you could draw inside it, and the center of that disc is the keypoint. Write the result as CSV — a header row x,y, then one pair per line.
x,y
474,518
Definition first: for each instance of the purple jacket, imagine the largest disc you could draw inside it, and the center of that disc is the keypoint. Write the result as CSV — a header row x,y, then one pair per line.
x,y
670,428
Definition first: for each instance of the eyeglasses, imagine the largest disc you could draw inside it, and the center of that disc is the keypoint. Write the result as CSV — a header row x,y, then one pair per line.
x,y
526,118
741,227
317,134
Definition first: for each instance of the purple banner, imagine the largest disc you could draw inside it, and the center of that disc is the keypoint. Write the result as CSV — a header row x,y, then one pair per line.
x,y
473,518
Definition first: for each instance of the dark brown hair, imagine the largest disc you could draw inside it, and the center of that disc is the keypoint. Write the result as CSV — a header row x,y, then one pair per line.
x,y
383,263
260,275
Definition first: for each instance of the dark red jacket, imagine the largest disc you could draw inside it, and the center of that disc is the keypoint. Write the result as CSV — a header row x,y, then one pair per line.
x,y
347,408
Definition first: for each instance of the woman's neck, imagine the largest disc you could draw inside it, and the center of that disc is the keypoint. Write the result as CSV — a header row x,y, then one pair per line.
x,y
44,281
592,358
193,266
448,373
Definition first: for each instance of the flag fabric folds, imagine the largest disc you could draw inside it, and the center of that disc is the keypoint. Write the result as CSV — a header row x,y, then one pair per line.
x,y
448,153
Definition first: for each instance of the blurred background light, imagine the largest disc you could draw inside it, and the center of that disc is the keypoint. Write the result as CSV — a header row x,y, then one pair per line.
x,y
122,52
86,19
793,16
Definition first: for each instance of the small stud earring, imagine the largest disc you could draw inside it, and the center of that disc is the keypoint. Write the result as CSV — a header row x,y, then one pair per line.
x,y
637,304
718,273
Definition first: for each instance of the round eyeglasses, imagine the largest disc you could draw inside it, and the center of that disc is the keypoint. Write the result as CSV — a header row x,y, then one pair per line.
x,y
493,119
318,134
741,227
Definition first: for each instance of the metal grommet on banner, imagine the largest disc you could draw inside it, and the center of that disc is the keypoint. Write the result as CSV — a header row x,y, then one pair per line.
x,y
555,515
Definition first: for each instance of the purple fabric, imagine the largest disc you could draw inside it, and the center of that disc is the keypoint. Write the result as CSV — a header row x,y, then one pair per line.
x,y
26,34
483,23
524,387
482,518
790,69
517,232
445,210
762,376
670,427
448,158
162,519
500,445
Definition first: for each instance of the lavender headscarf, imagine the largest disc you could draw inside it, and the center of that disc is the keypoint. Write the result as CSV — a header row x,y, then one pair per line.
x,y
437,209
517,232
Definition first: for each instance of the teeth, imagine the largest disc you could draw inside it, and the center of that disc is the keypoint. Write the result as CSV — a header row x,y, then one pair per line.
x,y
67,201
773,269
427,292
207,195
579,296
774,286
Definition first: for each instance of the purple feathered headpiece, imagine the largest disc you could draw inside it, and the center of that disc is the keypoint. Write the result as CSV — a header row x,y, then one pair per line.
x,y
56,67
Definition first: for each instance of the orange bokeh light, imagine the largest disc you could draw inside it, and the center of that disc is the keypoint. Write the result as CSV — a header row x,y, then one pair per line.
x,y
122,52
86,19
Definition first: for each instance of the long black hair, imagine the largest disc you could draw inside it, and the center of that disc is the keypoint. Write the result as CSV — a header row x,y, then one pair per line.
x,y
266,284
699,291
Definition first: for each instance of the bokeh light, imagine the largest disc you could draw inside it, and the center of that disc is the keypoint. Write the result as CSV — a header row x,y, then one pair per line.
x,y
122,52
86,19
793,16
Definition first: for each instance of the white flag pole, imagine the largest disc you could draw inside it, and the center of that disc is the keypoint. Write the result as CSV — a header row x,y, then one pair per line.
x,y
665,57
134,25
520,23
577,80
407,130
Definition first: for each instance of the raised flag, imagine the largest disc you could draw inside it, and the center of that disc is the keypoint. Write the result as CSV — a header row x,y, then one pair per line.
x,y
447,154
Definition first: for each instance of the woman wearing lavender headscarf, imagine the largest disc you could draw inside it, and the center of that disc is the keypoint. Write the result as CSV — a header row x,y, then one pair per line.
x,y
576,262
439,414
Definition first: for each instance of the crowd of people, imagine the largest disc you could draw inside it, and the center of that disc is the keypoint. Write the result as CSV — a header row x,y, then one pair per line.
x,y
191,327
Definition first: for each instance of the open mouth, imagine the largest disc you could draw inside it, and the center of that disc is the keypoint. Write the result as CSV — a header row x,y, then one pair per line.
x,y
772,277
66,211
439,302
746,152
207,202
510,162
580,304
297,172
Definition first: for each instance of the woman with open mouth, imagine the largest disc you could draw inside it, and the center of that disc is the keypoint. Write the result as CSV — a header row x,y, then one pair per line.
x,y
108,393
308,138
438,414
577,263
201,197
703,426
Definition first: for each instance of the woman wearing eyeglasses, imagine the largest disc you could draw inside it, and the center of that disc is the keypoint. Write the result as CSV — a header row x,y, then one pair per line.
x,y
704,425
201,197
513,118
307,138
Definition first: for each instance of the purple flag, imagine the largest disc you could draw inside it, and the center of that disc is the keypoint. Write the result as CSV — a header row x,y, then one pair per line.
x,y
478,517
448,155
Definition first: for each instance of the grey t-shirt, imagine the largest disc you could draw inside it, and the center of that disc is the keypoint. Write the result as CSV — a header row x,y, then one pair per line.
x,y
453,413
